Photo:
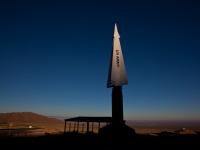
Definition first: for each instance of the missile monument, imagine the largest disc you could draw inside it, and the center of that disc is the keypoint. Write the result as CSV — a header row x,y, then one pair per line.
x,y
117,77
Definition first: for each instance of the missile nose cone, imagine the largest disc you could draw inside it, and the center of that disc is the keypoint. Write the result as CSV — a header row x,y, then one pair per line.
x,y
116,33
117,72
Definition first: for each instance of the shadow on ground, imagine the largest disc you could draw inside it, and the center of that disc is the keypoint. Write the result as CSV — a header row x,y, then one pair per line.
x,y
94,142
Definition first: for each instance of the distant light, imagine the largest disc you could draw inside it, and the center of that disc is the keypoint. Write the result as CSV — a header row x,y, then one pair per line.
x,y
30,127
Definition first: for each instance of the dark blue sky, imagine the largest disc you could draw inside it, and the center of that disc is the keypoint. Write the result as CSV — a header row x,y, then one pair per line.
x,y
54,57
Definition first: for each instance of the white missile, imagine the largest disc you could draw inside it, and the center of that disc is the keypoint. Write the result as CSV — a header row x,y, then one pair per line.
x,y
117,71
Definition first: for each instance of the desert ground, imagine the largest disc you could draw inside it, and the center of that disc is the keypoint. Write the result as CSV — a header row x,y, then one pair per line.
x,y
33,131
31,124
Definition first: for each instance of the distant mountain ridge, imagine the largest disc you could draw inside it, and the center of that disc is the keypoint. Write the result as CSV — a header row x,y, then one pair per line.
x,y
164,123
27,117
